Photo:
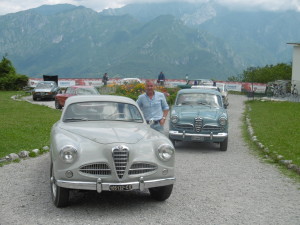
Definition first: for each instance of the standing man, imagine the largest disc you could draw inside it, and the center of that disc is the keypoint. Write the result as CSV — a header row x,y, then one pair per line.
x,y
161,79
105,79
154,107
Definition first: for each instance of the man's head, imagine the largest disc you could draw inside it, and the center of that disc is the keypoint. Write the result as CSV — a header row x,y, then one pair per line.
x,y
149,86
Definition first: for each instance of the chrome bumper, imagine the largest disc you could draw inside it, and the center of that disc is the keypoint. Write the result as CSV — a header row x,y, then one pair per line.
x,y
99,186
210,136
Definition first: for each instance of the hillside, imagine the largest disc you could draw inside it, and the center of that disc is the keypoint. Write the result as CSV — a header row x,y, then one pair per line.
x,y
202,40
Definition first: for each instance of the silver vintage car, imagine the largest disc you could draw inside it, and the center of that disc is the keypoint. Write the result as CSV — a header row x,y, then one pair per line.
x,y
103,143
199,115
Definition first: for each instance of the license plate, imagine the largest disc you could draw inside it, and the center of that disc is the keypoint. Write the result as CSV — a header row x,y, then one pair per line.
x,y
196,138
120,187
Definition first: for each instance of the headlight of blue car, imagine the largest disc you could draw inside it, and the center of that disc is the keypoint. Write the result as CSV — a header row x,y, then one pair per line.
x,y
174,118
223,121
165,152
68,153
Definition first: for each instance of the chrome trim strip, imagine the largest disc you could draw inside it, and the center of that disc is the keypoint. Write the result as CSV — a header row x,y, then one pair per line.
x,y
100,186
211,135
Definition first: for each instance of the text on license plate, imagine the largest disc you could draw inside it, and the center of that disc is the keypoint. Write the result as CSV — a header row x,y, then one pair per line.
x,y
120,187
196,138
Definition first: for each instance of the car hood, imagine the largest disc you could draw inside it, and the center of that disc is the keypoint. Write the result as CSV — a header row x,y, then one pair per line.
x,y
43,90
198,111
111,132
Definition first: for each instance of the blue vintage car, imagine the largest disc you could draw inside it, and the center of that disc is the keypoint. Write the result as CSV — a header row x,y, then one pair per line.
x,y
199,115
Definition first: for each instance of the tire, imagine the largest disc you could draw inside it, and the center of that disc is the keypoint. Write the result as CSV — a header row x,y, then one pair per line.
x,y
161,193
223,145
57,105
60,196
34,98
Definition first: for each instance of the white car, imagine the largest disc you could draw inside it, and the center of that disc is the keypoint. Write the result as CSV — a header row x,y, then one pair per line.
x,y
219,87
129,81
103,143
224,92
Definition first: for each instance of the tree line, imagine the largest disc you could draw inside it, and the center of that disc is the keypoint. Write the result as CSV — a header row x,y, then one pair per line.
x,y
268,73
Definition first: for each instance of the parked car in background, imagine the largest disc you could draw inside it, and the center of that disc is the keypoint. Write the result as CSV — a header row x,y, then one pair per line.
x,y
219,87
45,90
223,89
195,82
103,143
72,91
199,115
129,81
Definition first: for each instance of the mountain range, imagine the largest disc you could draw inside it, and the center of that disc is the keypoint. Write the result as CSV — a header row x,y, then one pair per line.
x,y
203,40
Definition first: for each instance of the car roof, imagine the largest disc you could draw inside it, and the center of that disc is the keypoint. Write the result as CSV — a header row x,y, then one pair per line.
x,y
103,98
199,90
47,82
205,87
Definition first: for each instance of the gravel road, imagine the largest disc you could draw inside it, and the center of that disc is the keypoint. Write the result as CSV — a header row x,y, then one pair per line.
x,y
212,187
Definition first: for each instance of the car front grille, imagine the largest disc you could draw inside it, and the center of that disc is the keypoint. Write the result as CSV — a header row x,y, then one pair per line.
x,y
120,156
198,124
212,128
187,127
140,168
95,169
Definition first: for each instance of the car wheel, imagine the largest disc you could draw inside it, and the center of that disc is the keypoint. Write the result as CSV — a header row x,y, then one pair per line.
x,y
57,105
34,98
161,193
223,145
60,196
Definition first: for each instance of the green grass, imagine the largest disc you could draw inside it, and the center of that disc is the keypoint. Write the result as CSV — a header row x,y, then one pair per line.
x,y
24,126
277,126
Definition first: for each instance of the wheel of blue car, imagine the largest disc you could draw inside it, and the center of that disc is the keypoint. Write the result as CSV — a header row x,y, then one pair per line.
x,y
57,105
60,196
223,145
161,193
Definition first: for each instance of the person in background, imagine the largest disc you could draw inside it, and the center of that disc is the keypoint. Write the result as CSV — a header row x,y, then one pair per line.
x,y
154,106
105,79
161,79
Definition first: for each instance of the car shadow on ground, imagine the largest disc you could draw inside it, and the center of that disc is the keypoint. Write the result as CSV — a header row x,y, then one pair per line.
x,y
120,200
203,147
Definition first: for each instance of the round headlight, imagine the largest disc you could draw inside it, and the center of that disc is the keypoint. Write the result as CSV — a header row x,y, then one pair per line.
x,y
223,121
165,152
68,153
174,119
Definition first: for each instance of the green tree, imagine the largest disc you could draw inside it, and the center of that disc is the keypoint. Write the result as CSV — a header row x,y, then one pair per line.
x,y
9,79
6,67
269,73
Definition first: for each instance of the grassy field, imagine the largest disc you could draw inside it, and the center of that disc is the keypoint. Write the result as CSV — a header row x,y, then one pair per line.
x,y
277,126
24,126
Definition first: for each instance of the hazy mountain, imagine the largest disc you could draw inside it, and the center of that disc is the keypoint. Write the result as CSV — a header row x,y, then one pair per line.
x,y
140,40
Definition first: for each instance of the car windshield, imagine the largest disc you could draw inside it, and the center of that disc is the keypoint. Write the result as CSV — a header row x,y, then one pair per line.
x,y
44,85
205,99
87,91
102,111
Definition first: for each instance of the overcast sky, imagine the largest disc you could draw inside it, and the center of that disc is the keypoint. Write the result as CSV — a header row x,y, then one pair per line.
x,y
11,6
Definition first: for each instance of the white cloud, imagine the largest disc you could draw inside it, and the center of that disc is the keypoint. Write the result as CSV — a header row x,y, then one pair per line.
x,y
10,6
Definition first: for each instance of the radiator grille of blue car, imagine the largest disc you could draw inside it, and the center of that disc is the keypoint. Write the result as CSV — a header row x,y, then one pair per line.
x,y
95,169
198,124
140,168
120,156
